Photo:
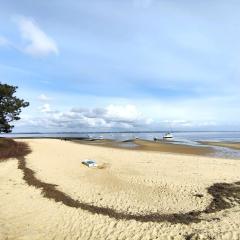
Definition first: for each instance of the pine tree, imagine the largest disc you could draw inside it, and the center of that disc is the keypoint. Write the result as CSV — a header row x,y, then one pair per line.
x,y
10,107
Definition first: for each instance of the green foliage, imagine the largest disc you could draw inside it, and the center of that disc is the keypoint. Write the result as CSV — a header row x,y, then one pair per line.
x,y
10,107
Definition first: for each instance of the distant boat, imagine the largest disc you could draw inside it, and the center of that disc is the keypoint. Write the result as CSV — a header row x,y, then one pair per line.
x,y
92,138
168,135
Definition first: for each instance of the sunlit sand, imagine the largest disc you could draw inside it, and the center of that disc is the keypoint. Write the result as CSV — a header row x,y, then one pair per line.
x,y
49,194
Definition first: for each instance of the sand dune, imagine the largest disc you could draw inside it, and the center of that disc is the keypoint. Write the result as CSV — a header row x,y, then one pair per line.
x,y
136,195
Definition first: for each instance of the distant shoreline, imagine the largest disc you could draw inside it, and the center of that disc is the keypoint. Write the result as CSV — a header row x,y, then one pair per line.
x,y
212,148
106,132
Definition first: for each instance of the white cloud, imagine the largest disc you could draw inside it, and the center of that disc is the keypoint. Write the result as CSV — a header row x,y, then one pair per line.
x,y
167,116
43,98
46,108
127,113
37,43
113,114
110,117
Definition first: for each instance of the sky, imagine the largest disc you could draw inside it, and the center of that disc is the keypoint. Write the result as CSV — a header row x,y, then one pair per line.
x,y
108,65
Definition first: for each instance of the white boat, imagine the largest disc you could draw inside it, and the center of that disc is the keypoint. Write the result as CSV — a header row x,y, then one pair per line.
x,y
168,135
89,163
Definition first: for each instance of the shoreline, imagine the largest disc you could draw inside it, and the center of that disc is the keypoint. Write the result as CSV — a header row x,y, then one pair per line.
x,y
206,148
152,146
221,149
138,145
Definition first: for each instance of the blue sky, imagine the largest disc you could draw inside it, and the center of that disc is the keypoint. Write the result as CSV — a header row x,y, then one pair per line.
x,y
130,64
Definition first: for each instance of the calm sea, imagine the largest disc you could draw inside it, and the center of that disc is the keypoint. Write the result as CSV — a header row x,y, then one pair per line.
x,y
178,136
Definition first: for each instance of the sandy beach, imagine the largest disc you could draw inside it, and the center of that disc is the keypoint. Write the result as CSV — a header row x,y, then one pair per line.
x,y
133,194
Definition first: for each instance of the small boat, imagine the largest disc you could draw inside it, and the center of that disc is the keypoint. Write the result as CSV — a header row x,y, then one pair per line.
x,y
168,135
89,163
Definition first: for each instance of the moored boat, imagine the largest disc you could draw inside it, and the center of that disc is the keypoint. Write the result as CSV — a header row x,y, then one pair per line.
x,y
168,135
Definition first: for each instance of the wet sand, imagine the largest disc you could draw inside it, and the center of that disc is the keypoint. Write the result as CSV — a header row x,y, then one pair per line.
x,y
146,145
164,146
49,194
232,145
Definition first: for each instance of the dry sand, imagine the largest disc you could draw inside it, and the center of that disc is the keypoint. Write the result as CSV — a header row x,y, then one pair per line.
x,y
134,195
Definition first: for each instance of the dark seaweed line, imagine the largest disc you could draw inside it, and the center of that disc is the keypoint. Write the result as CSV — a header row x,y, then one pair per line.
x,y
219,192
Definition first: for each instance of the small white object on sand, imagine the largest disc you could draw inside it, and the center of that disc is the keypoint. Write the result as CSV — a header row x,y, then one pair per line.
x,y
89,163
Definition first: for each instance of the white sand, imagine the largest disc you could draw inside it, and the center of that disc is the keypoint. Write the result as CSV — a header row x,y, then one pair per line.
x,y
134,182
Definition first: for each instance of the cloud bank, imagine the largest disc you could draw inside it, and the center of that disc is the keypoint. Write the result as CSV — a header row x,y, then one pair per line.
x,y
116,117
